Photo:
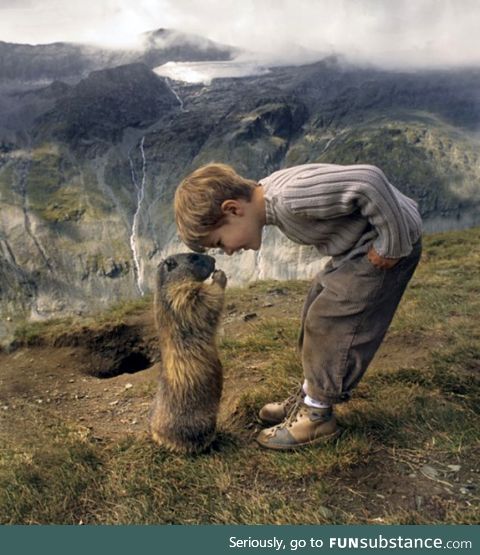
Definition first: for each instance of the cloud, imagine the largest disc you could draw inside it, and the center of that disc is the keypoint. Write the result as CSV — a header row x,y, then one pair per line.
x,y
398,33
109,22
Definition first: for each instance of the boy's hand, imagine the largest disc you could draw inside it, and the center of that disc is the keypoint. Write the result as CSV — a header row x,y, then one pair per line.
x,y
220,278
380,261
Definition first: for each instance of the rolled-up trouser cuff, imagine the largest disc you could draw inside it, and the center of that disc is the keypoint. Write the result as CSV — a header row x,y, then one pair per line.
x,y
325,396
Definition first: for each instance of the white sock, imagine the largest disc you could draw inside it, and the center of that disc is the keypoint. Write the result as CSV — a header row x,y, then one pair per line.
x,y
313,402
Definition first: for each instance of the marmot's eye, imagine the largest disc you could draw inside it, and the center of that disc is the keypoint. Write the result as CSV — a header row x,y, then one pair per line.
x,y
171,264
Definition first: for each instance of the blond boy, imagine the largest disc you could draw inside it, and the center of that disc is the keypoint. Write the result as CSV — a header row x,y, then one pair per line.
x,y
371,231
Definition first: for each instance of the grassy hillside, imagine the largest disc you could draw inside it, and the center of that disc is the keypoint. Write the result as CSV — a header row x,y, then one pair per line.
x,y
431,161
409,452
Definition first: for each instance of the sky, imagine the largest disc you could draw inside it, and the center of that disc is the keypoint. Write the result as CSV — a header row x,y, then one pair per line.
x,y
387,32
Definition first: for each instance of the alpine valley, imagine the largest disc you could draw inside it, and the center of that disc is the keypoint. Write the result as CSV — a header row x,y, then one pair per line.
x,y
93,143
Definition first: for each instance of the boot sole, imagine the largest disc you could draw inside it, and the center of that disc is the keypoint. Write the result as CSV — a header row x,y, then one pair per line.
x,y
318,440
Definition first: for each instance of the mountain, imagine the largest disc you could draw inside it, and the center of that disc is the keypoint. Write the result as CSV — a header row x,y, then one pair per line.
x,y
89,166
105,103
36,63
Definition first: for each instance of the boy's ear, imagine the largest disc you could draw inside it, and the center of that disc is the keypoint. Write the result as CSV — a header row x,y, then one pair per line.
x,y
232,206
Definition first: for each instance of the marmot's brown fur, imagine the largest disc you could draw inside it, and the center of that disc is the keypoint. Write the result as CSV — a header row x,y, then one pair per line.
x,y
187,313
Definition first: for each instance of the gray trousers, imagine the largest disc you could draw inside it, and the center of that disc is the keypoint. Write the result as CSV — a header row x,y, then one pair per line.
x,y
345,317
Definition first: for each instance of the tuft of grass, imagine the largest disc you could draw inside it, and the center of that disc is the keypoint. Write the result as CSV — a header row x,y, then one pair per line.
x,y
49,475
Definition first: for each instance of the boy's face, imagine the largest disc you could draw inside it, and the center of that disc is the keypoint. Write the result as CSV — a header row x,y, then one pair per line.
x,y
241,228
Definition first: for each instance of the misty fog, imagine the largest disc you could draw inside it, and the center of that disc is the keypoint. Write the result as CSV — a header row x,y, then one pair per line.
x,y
404,33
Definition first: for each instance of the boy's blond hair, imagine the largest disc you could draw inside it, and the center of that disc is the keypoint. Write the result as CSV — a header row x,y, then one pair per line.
x,y
199,198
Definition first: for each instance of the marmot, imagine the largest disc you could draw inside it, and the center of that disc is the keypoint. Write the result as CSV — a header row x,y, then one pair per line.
x,y
187,313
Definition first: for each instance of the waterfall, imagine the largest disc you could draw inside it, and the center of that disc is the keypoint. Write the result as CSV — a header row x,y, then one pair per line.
x,y
260,262
170,86
140,190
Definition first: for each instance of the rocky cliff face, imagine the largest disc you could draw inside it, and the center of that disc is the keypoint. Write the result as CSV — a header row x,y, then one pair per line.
x,y
88,169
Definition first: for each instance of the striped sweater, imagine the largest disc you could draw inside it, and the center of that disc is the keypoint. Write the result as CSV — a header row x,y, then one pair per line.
x,y
341,210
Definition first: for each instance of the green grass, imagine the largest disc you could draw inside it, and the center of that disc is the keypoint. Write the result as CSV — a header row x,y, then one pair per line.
x,y
417,405
56,189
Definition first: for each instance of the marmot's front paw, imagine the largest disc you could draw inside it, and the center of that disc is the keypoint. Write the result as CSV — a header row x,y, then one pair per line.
x,y
220,278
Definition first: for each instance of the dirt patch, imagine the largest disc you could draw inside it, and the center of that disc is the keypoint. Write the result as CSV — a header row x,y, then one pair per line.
x,y
56,379
104,378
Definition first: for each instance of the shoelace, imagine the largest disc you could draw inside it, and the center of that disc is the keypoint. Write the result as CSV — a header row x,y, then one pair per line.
x,y
292,398
295,398
292,415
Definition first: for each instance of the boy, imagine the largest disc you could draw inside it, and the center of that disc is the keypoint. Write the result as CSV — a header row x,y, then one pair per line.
x,y
353,214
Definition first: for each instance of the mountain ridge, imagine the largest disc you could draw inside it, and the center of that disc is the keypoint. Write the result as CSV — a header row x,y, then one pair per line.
x,y
74,60
74,154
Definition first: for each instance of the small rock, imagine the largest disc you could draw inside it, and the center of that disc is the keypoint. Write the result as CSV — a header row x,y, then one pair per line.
x,y
113,403
267,305
413,475
249,316
325,511
418,502
71,381
277,291
454,467
128,385
429,471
